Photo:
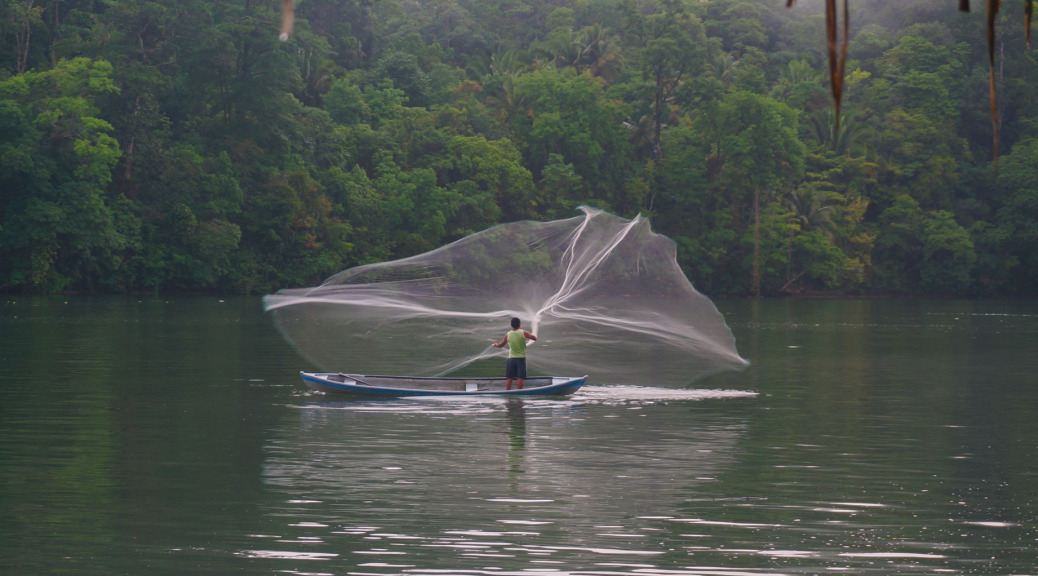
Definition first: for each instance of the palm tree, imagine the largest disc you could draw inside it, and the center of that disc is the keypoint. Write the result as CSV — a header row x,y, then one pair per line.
x,y
507,66
724,67
559,46
810,210
598,50
847,137
796,72
641,135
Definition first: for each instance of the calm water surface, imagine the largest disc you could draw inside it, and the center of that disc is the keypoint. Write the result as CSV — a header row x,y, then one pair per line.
x,y
173,436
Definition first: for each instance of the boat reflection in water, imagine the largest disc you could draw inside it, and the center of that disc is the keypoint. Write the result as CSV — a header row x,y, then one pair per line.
x,y
433,483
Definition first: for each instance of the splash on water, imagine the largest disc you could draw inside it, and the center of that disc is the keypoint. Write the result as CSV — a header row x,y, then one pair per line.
x,y
489,405
604,295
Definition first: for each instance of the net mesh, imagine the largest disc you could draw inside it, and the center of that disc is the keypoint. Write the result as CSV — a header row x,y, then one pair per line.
x,y
604,295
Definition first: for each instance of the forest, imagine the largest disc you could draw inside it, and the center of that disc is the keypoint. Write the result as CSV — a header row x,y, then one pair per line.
x,y
168,146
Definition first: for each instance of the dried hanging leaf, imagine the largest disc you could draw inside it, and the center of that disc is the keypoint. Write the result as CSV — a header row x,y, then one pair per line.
x,y
836,65
288,18
1028,9
837,62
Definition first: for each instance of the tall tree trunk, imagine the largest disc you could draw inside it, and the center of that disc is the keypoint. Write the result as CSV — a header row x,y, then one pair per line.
x,y
131,191
657,116
55,34
755,286
23,40
789,259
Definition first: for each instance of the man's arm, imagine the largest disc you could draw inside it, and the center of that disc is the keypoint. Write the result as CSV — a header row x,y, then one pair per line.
x,y
529,336
502,343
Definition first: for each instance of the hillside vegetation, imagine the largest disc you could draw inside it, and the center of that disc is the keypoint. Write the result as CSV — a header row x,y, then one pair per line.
x,y
180,146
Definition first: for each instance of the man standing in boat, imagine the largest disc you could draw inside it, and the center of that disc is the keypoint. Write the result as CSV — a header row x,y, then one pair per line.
x,y
516,341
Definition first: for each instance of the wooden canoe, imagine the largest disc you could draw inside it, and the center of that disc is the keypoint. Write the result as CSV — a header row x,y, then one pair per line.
x,y
339,383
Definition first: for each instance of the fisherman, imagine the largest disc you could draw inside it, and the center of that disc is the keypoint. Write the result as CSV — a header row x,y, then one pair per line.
x,y
516,341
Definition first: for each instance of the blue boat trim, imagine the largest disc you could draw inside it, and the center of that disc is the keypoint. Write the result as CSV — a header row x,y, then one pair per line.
x,y
358,384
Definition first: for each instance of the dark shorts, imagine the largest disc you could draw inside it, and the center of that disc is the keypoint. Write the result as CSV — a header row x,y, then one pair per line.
x,y
516,368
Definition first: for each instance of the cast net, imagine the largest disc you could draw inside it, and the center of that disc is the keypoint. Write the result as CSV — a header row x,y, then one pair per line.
x,y
604,295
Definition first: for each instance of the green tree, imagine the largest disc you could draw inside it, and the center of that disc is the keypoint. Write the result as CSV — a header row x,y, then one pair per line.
x,y
419,210
406,74
672,48
562,190
188,211
922,252
599,52
848,137
837,188
19,20
800,86
917,128
61,227
351,28
740,23
812,255
689,208
559,113
290,233
491,182
922,158
452,25
920,74
1007,259
345,102
758,153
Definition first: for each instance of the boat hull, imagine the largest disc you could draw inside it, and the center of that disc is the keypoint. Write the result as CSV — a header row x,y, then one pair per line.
x,y
357,384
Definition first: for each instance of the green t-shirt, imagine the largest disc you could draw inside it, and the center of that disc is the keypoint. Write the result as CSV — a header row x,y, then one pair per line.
x,y
516,344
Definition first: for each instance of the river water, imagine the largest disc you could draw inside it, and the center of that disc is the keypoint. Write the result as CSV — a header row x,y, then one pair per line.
x,y
174,436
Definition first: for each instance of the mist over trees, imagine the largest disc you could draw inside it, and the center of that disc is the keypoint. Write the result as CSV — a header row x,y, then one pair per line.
x,y
179,146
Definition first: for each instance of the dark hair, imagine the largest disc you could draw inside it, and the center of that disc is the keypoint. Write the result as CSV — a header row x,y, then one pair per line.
x,y
515,323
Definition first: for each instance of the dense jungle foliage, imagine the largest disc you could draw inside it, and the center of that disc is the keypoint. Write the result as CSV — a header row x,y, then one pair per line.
x,y
160,145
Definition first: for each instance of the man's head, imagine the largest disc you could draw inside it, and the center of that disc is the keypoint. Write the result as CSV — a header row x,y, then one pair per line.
x,y
515,323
